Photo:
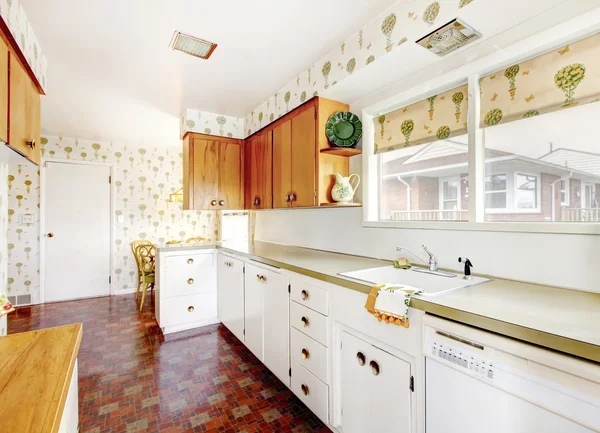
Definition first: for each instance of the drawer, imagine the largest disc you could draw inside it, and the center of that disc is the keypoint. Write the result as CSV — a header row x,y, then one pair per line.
x,y
310,354
310,296
309,322
313,393
192,308
189,274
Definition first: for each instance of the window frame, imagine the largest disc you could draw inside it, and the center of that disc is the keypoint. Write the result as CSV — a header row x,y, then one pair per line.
x,y
441,198
538,193
505,191
567,191
483,66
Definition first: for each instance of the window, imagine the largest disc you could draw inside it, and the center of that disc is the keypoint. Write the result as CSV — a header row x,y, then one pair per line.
x,y
589,200
526,191
565,192
495,191
450,194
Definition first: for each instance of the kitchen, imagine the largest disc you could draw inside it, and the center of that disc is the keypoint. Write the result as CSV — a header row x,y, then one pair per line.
x,y
290,248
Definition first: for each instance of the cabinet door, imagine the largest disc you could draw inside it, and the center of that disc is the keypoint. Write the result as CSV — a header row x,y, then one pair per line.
x,y
3,91
24,113
282,164
259,167
369,389
276,324
253,309
231,176
205,173
230,294
304,159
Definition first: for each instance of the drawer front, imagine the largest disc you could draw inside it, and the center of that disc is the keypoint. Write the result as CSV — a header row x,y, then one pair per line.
x,y
309,322
310,354
191,308
189,274
311,391
310,296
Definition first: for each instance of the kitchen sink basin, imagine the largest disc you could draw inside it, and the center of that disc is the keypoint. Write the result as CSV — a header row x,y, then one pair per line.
x,y
432,285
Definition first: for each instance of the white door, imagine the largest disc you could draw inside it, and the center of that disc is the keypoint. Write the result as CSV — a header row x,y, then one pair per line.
x,y
230,290
77,231
375,389
253,308
276,323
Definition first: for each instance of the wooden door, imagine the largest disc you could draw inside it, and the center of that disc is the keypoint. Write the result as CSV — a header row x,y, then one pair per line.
x,y
277,325
24,118
3,91
253,310
231,176
205,170
230,294
282,165
304,159
259,166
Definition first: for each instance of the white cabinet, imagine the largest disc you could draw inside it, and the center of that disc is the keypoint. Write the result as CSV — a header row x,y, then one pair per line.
x,y
375,388
186,290
230,290
253,310
69,422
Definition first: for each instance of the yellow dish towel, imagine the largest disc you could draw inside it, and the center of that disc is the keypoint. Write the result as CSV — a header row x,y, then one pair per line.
x,y
389,303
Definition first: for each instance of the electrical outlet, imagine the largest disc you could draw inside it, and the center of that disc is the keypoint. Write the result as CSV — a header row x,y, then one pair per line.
x,y
27,219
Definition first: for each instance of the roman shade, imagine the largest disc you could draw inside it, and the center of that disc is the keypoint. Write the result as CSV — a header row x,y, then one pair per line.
x,y
562,78
435,118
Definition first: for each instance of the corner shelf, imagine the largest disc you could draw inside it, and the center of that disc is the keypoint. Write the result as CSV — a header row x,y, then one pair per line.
x,y
341,204
342,151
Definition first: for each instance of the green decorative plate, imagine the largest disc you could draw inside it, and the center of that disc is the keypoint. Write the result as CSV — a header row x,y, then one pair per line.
x,y
343,129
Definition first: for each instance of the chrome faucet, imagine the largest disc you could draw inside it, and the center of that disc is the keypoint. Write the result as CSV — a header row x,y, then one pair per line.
x,y
433,263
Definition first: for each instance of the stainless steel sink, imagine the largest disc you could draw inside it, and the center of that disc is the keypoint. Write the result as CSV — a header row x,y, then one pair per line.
x,y
431,284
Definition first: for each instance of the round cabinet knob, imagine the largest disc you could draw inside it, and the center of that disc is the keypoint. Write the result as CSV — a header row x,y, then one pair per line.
x,y
213,203
31,144
258,278
191,309
191,281
304,295
304,389
374,368
50,235
292,197
256,201
190,261
221,202
305,353
305,322
287,198
263,279
360,357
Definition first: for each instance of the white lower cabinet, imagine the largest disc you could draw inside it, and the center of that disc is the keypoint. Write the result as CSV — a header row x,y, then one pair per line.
x,y
253,311
313,393
230,290
375,388
69,422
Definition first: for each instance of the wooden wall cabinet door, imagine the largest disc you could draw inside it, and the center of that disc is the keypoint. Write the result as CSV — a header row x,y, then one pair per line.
x,y
3,91
282,165
259,171
231,176
303,193
24,109
205,174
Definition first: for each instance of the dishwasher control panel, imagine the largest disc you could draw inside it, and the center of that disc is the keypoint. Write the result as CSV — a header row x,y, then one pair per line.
x,y
467,361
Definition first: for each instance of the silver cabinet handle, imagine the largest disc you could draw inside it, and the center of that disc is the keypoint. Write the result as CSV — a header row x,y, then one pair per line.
x,y
361,358
221,202
190,261
304,389
374,368
304,295
304,321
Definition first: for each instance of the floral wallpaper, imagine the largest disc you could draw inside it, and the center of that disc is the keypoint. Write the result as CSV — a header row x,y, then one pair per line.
x,y
143,178
15,18
402,22
3,227
210,123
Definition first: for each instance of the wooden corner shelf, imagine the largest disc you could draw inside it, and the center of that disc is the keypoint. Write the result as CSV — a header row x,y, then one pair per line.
x,y
341,204
342,151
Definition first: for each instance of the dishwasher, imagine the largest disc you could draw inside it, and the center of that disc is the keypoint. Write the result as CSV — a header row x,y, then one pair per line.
x,y
480,382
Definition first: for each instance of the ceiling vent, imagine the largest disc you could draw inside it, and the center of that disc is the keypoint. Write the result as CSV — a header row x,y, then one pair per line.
x,y
192,46
450,37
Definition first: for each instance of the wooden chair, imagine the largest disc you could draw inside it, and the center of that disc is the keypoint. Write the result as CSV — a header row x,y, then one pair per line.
x,y
134,245
196,240
146,254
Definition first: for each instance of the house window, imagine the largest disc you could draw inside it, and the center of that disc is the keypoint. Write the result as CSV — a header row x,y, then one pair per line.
x,y
450,194
589,197
495,191
526,191
565,197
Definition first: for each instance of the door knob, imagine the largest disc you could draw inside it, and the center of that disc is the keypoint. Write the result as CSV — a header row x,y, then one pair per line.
x,y
304,295
374,368
305,322
213,202
305,354
221,202
50,235
361,358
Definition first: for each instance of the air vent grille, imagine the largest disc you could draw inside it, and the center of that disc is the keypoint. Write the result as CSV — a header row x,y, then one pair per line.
x,y
448,38
192,46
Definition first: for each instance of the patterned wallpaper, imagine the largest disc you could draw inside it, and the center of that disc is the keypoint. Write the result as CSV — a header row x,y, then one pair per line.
x,y
3,227
402,22
14,15
210,123
143,180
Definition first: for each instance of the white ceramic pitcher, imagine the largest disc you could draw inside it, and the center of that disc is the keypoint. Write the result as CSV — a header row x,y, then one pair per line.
x,y
343,191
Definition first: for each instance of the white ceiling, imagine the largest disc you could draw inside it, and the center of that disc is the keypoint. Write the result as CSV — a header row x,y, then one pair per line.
x,y
112,76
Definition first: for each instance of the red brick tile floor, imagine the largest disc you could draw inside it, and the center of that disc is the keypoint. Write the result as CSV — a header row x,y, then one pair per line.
x,y
133,379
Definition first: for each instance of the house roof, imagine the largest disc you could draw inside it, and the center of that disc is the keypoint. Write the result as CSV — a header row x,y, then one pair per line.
x,y
574,159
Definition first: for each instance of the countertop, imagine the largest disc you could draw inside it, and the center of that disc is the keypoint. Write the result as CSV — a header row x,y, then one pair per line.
x,y
564,320
35,373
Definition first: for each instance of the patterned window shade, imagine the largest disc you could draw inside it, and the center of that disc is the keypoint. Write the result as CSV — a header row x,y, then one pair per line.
x,y
562,78
435,118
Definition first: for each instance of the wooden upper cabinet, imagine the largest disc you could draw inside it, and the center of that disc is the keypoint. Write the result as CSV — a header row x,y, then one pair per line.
x,y
24,112
3,91
304,159
282,165
213,173
259,171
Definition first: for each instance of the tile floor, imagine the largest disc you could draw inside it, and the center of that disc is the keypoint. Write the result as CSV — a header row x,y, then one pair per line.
x,y
133,379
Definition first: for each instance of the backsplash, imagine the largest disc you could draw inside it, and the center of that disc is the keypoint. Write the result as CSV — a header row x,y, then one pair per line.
x,y
213,124
402,22
15,18
143,180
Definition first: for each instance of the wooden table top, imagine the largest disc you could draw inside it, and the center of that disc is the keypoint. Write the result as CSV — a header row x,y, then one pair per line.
x,y
35,373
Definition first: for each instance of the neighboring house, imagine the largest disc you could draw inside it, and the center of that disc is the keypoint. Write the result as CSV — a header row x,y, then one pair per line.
x,y
432,184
